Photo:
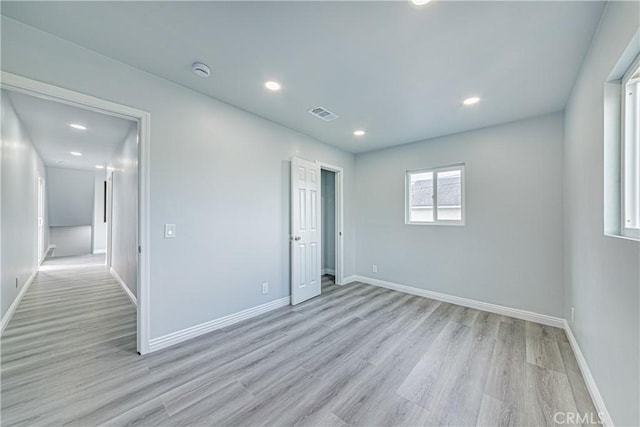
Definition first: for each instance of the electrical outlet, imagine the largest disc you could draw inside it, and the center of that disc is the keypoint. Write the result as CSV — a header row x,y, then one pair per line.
x,y
374,268
573,315
265,288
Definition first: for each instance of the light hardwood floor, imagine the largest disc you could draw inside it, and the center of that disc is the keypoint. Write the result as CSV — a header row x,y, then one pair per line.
x,y
328,283
356,355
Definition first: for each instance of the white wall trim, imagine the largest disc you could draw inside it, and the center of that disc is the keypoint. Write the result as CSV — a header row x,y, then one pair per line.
x,y
46,252
14,305
47,91
598,401
124,286
173,338
467,302
99,251
349,279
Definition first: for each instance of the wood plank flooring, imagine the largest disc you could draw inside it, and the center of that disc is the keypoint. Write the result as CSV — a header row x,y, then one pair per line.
x,y
356,355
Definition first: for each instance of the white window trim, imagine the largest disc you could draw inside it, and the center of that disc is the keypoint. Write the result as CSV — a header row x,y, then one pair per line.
x,y
435,171
631,233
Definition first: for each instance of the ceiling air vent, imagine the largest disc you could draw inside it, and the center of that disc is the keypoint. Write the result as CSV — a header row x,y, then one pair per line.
x,y
323,113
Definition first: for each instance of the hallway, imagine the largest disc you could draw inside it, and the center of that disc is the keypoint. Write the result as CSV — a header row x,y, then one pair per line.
x,y
73,324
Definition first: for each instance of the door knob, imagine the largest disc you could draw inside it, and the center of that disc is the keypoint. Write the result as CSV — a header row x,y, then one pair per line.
x,y
296,238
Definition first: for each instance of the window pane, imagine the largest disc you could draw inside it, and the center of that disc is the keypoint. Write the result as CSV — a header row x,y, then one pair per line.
x,y
449,195
632,156
421,197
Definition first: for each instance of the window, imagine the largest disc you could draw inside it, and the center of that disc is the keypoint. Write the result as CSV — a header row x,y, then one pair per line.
x,y
435,196
630,151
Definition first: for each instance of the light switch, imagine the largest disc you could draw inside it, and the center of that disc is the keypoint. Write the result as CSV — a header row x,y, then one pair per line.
x,y
169,231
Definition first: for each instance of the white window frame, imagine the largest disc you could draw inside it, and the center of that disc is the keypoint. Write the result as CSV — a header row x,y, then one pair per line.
x,y
633,233
435,171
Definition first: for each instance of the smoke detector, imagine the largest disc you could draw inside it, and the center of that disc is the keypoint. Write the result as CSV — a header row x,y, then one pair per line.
x,y
201,70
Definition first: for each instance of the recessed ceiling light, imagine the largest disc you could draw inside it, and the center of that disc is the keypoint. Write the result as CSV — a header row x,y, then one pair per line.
x,y
471,101
75,153
271,85
99,167
358,132
420,2
77,126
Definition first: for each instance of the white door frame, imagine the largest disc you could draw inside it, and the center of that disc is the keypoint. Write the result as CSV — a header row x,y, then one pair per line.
x,y
44,90
109,209
339,228
40,218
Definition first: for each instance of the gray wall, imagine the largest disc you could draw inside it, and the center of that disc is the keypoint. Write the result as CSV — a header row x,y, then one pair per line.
x,y
328,191
601,273
510,250
19,168
207,160
124,228
70,241
70,201
70,197
99,232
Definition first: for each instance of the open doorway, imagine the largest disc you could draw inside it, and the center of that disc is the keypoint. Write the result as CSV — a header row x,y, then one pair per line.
x,y
328,214
331,188
78,151
72,205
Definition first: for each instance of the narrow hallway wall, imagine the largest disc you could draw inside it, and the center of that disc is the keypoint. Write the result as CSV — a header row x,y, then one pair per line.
x,y
19,169
124,176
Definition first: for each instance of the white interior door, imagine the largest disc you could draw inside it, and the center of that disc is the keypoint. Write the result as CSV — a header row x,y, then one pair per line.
x,y
306,259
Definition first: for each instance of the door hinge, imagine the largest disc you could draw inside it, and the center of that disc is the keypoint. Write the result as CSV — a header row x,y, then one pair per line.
x,y
139,249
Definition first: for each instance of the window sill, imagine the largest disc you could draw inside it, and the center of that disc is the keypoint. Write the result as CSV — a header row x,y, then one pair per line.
x,y
454,224
621,237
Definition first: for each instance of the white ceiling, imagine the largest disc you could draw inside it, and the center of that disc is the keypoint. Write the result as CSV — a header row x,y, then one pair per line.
x,y
398,71
47,123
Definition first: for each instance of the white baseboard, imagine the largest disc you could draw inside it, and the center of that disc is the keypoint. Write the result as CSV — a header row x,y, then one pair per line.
x,y
14,305
46,253
194,331
588,378
100,251
349,279
124,286
330,271
467,302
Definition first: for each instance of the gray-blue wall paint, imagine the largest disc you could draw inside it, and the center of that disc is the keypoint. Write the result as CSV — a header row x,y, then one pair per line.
x,y
70,197
602,274
510,250
70,241
20,165
124,235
